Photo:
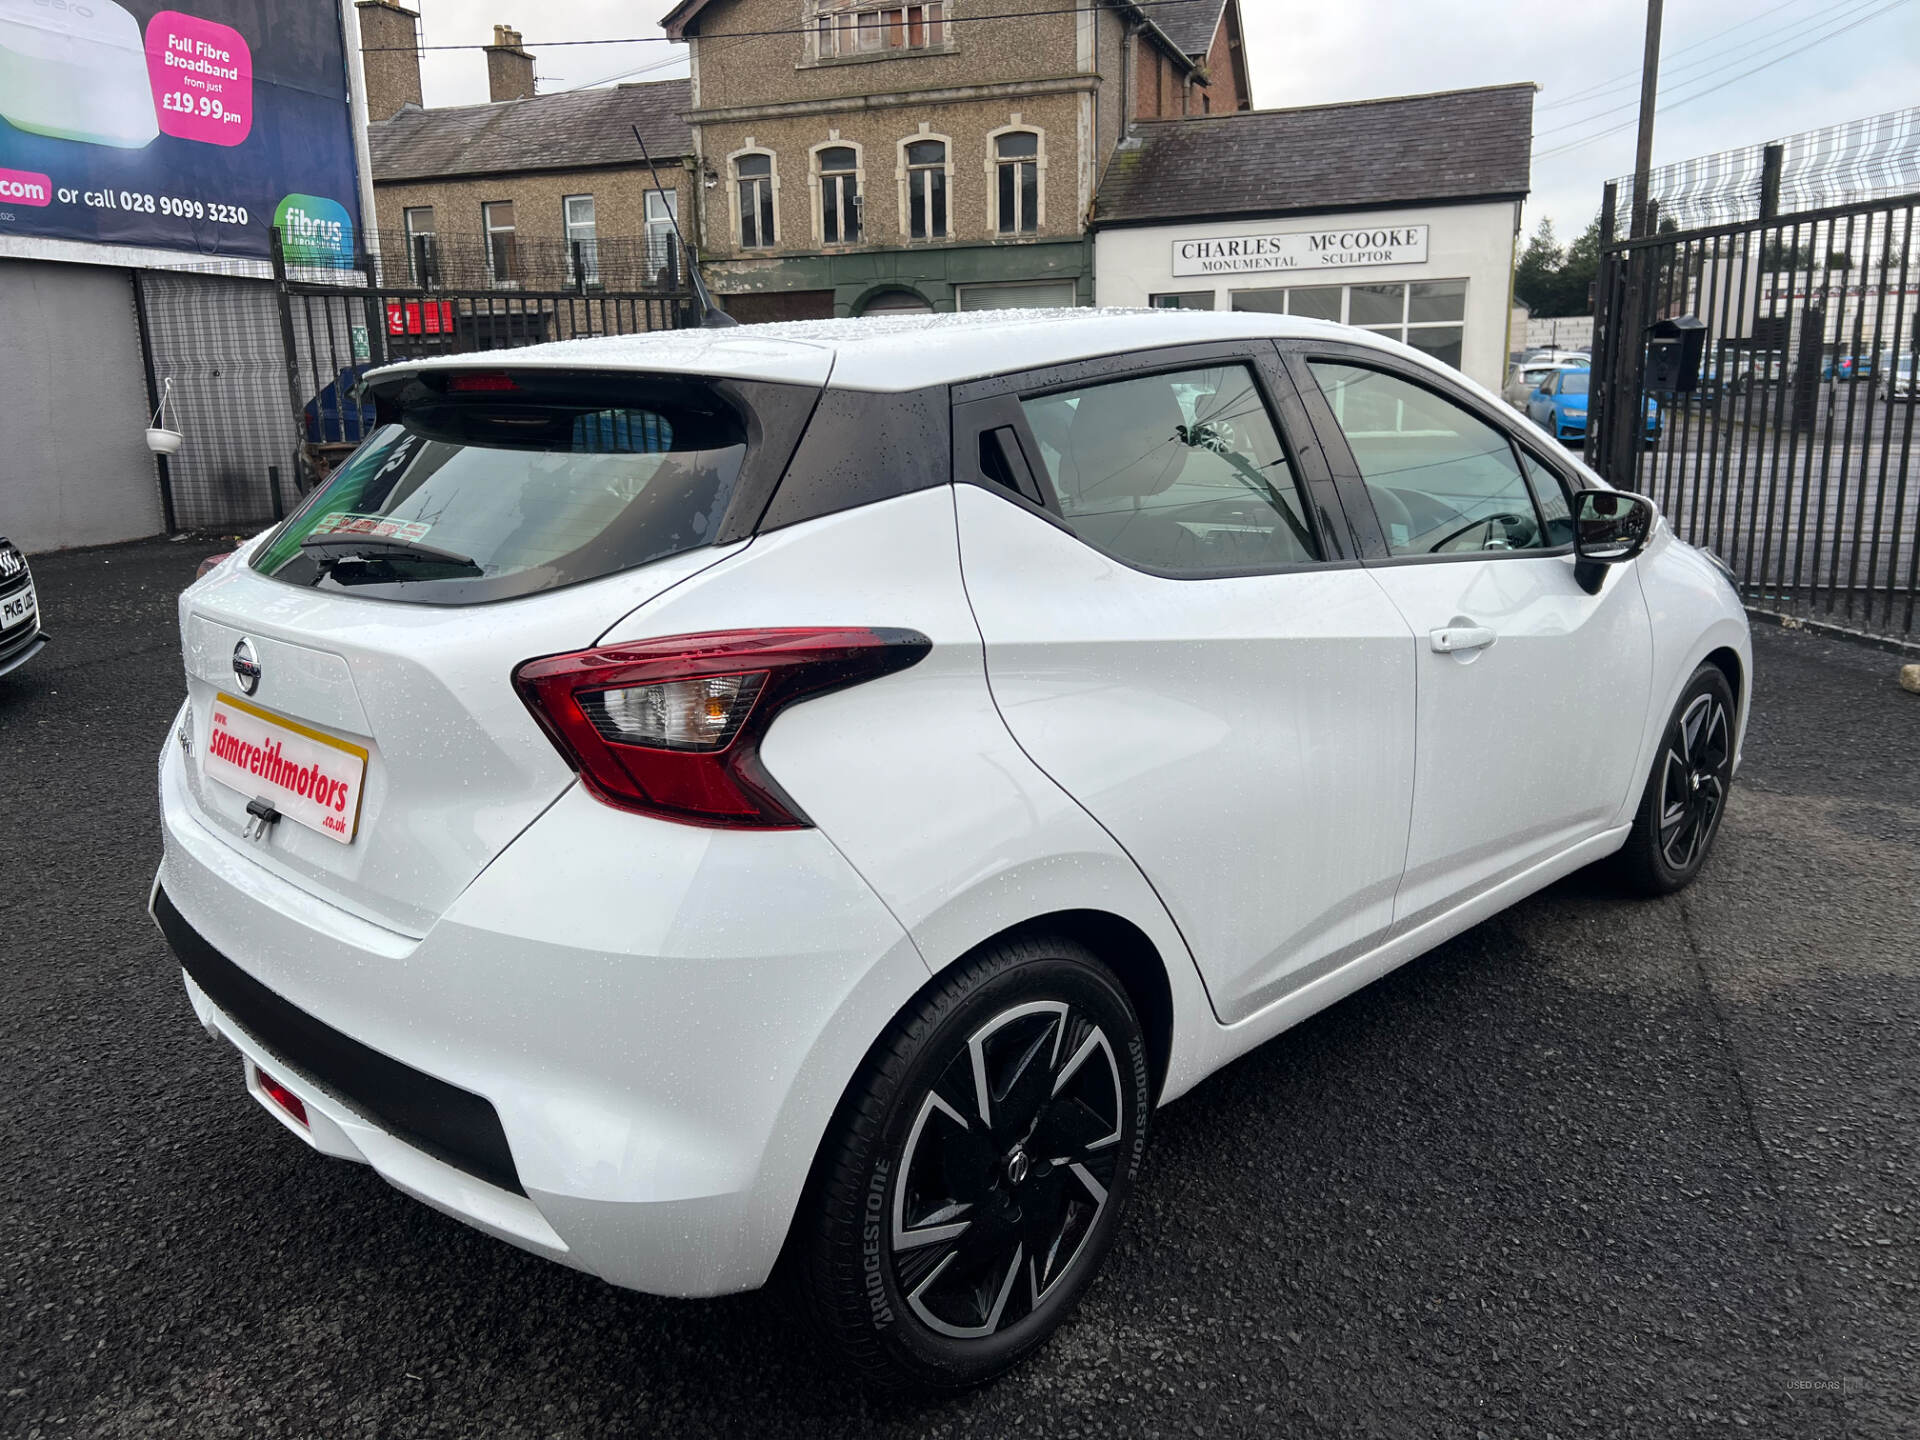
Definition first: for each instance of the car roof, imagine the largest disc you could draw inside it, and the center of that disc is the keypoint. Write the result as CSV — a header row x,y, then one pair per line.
x,y
900,352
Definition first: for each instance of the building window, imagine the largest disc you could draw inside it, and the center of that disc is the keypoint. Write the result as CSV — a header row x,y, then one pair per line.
x,y
503,256
1017,159
1429,315
583,245
663,213
926,208
845,28
1182,300
839,169
422,263
754,182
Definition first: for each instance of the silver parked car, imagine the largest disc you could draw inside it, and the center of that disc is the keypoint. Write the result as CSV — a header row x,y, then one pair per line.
x,y
21,637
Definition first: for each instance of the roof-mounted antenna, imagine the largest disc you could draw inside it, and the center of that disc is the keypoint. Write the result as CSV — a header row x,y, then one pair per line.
x,y
712,317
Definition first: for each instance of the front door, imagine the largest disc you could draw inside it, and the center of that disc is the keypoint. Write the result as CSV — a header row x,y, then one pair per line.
x,y
1174,634
1532,692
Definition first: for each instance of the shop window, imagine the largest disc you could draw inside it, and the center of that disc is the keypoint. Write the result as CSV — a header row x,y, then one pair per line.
x,y
838,167
1429,315
1017,182
843,29
753,183
583,245
1182,300
503,254
926,170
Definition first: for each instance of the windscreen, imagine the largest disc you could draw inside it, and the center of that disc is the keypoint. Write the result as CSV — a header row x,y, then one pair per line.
x,y
488,490
1574,382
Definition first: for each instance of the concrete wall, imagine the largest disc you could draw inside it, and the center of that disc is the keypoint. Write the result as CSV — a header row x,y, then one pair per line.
x,y
74,466
1465,242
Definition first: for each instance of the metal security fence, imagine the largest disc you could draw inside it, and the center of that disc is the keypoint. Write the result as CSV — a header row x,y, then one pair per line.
x,y
214,355
1793,456
339,321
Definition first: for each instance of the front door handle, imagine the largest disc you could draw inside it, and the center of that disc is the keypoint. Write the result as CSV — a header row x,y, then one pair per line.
x,y
1455,638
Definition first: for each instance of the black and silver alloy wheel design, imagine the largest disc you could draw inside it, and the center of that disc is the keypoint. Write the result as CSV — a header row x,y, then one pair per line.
x,y
1006,1169
1693,780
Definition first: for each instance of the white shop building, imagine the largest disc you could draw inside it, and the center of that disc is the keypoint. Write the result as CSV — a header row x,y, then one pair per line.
x,y
1396,215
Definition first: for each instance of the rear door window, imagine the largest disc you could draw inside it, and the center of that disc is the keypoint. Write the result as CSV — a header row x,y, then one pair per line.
x,y
483,494
1182,472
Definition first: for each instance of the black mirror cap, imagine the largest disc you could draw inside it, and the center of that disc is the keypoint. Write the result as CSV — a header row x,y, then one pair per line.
x,y
1610,527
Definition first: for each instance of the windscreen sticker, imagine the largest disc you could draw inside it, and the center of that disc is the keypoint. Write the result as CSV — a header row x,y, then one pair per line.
x,y
345,522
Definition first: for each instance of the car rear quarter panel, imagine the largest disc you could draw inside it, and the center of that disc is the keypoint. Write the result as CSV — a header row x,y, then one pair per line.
x,y
915,777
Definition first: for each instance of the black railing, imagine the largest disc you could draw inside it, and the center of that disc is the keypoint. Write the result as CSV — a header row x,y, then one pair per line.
x,y
1793,458
503,260
339,320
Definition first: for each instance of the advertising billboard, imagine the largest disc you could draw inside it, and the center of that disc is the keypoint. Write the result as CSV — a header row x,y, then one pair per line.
x,y
196,129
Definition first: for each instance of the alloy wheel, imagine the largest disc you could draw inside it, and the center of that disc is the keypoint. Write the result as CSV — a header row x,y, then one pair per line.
x,y
1006,1169
1693,781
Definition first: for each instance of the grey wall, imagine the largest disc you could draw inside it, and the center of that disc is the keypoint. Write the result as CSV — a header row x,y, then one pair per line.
x,y
74,465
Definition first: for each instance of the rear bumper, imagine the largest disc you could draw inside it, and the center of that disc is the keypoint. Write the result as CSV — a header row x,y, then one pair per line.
x,y
619,1048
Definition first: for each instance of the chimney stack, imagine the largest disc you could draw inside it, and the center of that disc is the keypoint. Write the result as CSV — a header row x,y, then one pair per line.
x,y
390,59
509,68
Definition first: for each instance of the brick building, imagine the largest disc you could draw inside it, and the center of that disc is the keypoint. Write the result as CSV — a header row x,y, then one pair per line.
x,y
535,192
857,156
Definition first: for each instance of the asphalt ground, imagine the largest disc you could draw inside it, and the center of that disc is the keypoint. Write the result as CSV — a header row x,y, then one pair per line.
x,y
1596,1167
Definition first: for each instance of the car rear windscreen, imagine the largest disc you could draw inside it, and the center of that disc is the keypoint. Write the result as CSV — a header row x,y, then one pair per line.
x,y
478,487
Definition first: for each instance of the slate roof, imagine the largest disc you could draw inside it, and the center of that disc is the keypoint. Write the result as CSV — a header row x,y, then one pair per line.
x,y
1456,145
549,132
1189,23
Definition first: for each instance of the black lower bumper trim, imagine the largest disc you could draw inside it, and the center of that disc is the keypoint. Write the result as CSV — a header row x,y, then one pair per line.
x,y
448,1123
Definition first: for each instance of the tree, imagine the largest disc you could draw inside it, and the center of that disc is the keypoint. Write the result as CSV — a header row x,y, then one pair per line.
x,y
1534,277
1554,281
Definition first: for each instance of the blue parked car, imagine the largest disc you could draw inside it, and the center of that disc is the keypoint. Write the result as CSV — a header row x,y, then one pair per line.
x,y
1559,407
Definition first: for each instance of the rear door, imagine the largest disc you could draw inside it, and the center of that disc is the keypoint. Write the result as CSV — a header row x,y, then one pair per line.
x,y
1532,692
1178,633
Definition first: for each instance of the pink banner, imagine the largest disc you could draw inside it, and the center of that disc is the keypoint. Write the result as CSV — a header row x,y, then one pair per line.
x,y
202,76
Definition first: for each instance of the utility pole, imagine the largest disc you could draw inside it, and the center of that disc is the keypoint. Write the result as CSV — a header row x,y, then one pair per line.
x,y
1624,413
1649,93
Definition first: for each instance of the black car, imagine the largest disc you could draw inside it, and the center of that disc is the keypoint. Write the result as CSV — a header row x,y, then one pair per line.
x,y
21,637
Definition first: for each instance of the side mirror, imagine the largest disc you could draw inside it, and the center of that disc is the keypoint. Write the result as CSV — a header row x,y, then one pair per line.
x,y
1610,527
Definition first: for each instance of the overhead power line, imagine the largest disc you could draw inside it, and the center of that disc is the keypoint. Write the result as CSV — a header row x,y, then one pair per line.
x,y
752,34
1789,37
1632,77
1730,80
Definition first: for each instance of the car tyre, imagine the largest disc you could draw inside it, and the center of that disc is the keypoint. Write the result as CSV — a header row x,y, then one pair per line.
x,y
936,1249
1687,790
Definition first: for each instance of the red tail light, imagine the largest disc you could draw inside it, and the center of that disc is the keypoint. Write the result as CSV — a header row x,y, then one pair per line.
x,y
281,1096
672,727
211,561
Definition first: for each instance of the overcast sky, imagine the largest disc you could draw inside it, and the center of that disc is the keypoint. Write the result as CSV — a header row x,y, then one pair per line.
x,y
1310,53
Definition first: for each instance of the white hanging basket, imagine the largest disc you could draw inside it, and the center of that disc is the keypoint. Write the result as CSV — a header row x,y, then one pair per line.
x,y
161,440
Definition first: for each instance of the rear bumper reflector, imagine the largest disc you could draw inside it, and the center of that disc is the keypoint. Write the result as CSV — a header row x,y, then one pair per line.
x,y
452,1125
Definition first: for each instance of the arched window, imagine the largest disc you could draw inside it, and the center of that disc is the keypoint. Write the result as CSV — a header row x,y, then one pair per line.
x,y
926,189
839,169
1017,160
753,176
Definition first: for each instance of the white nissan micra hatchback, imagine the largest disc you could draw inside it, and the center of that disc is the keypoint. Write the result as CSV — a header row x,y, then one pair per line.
x,y
801,796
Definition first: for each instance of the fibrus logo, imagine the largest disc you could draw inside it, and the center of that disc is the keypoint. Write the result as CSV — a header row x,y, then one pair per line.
x,y
24,187
314,230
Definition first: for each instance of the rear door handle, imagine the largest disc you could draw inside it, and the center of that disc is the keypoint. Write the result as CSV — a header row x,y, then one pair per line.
x,y
1455,638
